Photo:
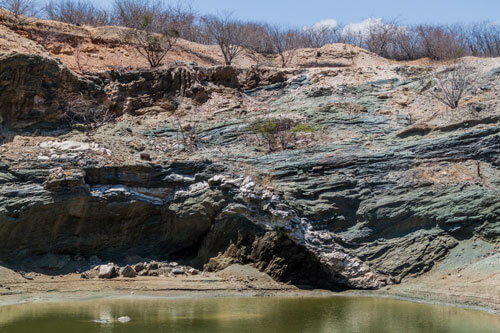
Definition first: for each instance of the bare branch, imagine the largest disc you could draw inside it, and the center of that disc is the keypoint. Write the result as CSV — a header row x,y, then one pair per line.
x,y
452,84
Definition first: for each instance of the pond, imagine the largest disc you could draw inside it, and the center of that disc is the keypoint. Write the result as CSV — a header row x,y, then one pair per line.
x,y
266,314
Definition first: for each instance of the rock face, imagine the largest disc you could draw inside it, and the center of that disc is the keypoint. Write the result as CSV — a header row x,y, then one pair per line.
x,y
33,87
360,206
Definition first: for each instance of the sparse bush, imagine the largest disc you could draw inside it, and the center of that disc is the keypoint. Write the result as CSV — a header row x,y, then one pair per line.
x,y
77,12
380,38
483,39
280,133
303,128
256,37
153,27
20,7
187,135
451,85
386,38
130,13
80,112
184,20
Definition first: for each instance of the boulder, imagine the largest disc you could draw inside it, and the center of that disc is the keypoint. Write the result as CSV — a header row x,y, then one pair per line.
x,y
139,267
128,272
153,272
178,271
106,271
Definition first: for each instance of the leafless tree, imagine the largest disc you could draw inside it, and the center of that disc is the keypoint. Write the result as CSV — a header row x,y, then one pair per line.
x,y
180,16
317,37
256,36
130,13
483,39
153,38
407,45
380,37
452,84
227,33
284,43
440,43
76,12
20,7
184,19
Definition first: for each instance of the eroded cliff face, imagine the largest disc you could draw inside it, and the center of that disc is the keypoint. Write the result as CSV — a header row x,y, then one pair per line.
x,y
33,86
37,89
369,199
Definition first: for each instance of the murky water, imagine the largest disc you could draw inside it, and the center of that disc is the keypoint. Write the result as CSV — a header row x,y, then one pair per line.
x,y
337,314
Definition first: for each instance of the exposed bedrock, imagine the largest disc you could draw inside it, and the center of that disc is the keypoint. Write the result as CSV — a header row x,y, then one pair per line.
x,y
34,89
185,210
359,206
327,229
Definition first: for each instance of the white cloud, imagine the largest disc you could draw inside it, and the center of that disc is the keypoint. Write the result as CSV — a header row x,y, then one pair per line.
x,y
363,27
328,23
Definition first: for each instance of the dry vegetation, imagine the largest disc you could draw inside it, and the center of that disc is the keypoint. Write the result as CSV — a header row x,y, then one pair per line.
x,y
388,39
452,84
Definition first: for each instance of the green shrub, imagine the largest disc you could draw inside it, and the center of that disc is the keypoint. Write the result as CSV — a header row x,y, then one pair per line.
x,y
280,133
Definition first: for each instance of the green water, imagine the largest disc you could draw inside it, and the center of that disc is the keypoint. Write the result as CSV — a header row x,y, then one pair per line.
x,y
337,314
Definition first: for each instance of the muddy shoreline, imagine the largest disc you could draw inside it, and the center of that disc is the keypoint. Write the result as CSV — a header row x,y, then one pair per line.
x,y
237,281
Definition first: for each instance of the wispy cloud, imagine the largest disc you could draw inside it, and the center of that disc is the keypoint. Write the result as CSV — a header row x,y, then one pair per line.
x,y
327,23
364,26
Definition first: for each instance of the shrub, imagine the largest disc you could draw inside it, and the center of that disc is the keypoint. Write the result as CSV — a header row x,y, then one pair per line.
x,y
280,133
187,135
303,128
451,85
83,113
77,12
130,13
20,7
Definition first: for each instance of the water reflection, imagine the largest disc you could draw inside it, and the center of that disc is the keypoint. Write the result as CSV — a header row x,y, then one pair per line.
x,y
338,314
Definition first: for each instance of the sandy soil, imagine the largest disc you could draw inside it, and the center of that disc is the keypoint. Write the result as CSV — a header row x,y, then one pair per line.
x,y
234,281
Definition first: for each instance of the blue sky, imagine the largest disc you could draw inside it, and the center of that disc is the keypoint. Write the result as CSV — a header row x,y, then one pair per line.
x,y
307,12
